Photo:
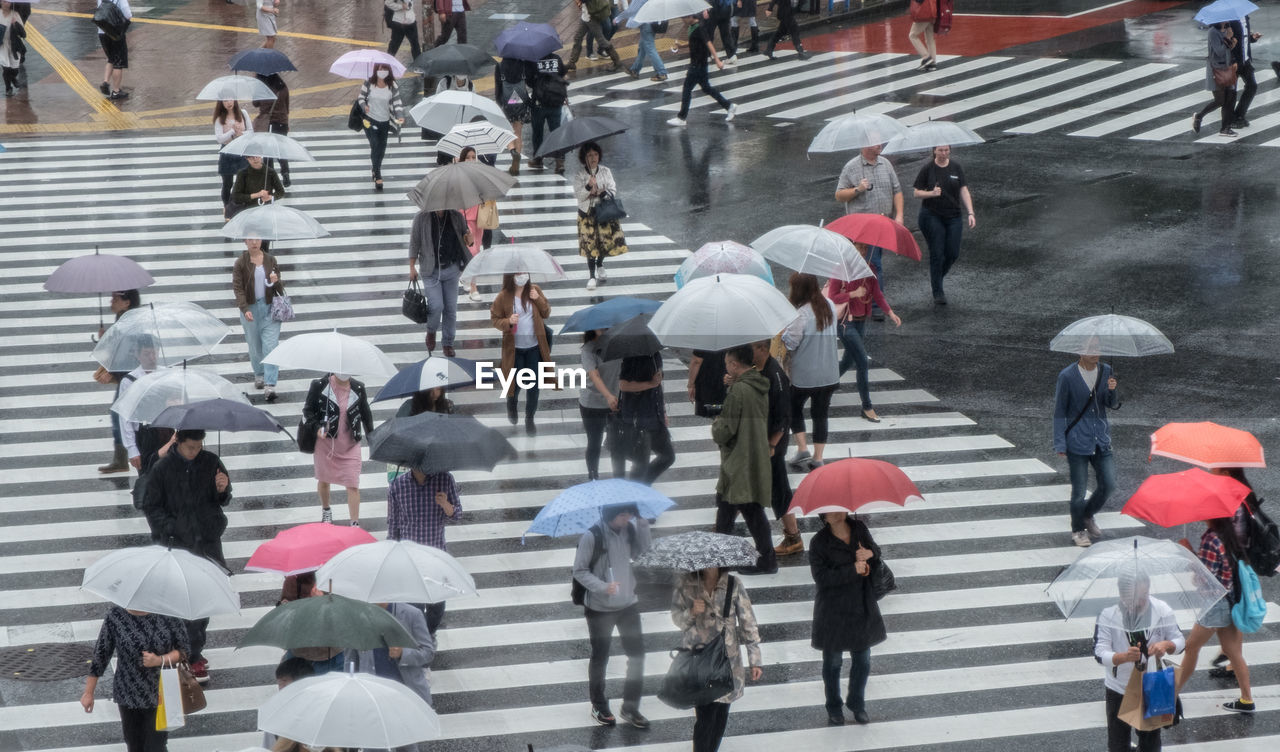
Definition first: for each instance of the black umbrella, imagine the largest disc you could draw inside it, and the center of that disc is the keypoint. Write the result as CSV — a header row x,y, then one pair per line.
x,y
579,131
434,443
261,60
452,60
632,338
217,415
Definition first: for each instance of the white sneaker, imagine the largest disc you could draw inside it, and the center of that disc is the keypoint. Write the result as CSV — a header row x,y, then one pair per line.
x,y
475,296
591,283
731,112
731,60
593,56
600,274
1081,539
677,121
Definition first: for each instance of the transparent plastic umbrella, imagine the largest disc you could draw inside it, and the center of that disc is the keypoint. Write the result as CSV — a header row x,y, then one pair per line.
x,y
273,221
162,580
461,185
269,146
716,313
357,711
723,257
664,10
331,352
484,137
441,112
239,88
396,572
1111,335
358,64
925,136
151,395
164,334
813,250
492,263
850,132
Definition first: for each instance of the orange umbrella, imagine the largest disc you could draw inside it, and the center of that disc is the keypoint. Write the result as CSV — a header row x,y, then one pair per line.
x,y
1189,496
1207,445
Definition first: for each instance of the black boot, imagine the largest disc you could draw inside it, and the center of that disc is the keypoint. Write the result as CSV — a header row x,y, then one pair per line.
x,y
754,49
800,53
734,35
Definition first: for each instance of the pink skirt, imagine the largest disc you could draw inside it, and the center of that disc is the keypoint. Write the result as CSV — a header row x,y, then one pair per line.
x,y
338,461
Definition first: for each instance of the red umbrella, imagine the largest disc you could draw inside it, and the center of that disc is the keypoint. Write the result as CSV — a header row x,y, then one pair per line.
x,y
877,230
1208,445
305,547
1189,496
846,485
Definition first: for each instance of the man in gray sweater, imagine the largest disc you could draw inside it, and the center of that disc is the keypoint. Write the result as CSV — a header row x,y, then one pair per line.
x,y
603,568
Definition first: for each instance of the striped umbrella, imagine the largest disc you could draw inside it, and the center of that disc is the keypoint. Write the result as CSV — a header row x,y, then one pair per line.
x,y
484,137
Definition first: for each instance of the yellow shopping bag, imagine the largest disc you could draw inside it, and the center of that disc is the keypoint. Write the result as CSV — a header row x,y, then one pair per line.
x,y
169,710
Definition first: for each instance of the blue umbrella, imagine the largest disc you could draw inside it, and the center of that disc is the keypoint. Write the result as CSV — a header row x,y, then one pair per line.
x,y
261,60
609,313
436,371
528,41
1224,10
578,507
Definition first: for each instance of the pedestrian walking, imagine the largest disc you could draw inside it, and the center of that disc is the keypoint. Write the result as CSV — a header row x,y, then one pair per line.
x,y
185,494
721,19
453,17
868,184
707,382
380,100
255,282
700,51
742,433
704,605
1221,552
643,414
511,92
404,25
597,239
811,346
1242,55
846,617
12,49
419,506
602,566
779,424
745,12
121,301
117,52
273,116
1119,651
1082,434
787,27
607,25
647,49
550,90
923,15
256,184
472,216
946,207
140,643
408,666
598,405
1220,78
520,312
339,407
142,443
854,301
230,121
595,13
268,12
438,242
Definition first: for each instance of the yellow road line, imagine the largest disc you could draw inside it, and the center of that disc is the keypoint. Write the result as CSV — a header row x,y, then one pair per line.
x,y
219,27
132,123
209,105
76,80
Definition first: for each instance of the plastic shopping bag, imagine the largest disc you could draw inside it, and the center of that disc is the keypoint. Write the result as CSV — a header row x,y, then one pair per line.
x,y
1158,692
169,711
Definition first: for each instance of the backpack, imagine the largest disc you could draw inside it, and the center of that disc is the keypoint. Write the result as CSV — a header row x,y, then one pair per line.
x,y
111,20
550,90
1249,612
1264,540
578,592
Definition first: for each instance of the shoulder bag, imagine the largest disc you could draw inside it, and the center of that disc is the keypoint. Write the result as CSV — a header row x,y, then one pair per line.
x,y
882,580
924,11
414,304
193,699
703,673
1225,78
487,218
111,20
281,308
608,209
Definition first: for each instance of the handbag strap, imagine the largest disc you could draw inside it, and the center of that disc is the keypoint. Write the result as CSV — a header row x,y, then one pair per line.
x,y
1092,394
728,596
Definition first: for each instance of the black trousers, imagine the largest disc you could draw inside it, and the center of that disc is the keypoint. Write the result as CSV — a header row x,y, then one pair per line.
x,y
787,27
821,396
723,23
138,725
450,22
283,130
196,634
600,625
1118,732
757,524
644,442
1224,99
709,723
601,427
399,33
781,496
1250,88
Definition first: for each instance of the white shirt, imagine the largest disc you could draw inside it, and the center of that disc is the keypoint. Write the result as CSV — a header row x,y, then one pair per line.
x,y
1109,640
123,5
458,7
129,429
225,133
380,103
1090,377
525,336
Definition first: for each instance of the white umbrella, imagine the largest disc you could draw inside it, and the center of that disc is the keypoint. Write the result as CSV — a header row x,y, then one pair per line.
x,y
171,332
331,352
716,313
441,112
358,64
239,88
813,250
396,572
268,146
856,131
147,397
273,221
161,580
663,10
349,710
925,136
484,137
492,263
1111,335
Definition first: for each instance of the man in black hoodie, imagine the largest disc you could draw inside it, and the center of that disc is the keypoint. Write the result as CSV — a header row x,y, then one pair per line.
x,y
549,90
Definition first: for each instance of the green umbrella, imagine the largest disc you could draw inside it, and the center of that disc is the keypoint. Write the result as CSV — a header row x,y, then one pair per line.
x,y
325,620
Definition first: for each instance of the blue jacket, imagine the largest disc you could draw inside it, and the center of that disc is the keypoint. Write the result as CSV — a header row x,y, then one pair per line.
x,y
1070,397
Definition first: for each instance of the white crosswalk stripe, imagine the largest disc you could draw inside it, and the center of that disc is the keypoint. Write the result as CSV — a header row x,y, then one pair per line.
x,y
970,619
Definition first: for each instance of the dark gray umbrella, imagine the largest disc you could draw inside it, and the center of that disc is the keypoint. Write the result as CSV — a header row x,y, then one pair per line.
x,y
692,551
98,273
460,186
434,443
632,338
452,60
217,415
579,131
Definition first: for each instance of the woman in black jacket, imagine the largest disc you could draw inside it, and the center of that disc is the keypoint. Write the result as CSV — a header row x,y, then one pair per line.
x,y
338,406
845,614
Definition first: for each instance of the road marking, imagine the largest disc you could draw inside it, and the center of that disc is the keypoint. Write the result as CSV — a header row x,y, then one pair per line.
x,y
220,27
76,80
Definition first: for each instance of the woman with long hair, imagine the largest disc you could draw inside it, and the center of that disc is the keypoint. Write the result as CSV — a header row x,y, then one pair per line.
x,y
380,100
853,307
338,405
230,121
520,311
811,342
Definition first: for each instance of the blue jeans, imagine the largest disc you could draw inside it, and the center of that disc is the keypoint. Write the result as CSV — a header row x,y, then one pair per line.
x,y
377,134
526,358
544,117
874,257
855,354
648,48
441,291
1104,469
859,672
262,335
943,236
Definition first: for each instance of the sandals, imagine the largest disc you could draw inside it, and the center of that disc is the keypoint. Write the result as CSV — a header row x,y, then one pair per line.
x,y
1221,672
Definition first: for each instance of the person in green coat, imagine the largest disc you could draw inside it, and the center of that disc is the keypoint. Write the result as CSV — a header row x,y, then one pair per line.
x,y
742,432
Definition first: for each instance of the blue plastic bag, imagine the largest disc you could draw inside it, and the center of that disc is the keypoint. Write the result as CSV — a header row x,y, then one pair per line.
x,y
1158,694
1249,613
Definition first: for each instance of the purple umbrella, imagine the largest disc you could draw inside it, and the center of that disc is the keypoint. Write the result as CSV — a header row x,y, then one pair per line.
x,y
98,273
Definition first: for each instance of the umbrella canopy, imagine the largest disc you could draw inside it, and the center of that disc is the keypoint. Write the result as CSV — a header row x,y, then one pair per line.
x,y
849,484
435,372
161,580
609,313
239,88
664,10
1224,10
348,710
632,338
850,132
1112,568
813,250
692,551
358,64
721,257
168,332
716,313
578,507
269,146
1208,445
925,136
1189,496
484,137
442,111
261,60
148,397
491,264
452,60
218,414
877,230
579,131
98,273
331,352
324,620
460,186
305,547
273,221
434,442
527,41
396,572
1111,335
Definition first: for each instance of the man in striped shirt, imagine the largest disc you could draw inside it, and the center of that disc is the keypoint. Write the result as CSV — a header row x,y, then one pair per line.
x,y
418,505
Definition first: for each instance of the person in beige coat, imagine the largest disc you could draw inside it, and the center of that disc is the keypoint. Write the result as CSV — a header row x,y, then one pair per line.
x,y
520,312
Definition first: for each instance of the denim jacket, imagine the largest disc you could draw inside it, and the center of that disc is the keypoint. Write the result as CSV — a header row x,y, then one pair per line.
x,y
1092,431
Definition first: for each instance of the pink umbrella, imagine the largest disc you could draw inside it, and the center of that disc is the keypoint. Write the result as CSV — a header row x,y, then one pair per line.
x,y
358,64
305,547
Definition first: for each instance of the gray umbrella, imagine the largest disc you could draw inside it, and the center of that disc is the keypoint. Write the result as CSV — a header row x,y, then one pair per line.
x,y
98,273
434,442
452,60
690,552
632,338
461,185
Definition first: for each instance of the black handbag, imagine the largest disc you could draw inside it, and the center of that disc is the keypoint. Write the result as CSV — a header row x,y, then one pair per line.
x,y
307,433
355,118
414,305
111,20
609,208
703,673
882,580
